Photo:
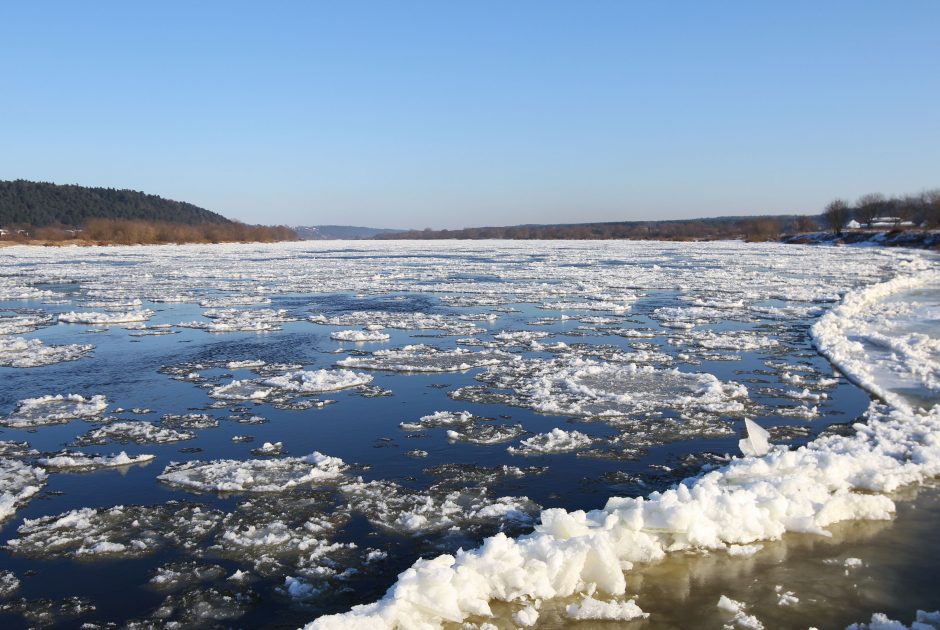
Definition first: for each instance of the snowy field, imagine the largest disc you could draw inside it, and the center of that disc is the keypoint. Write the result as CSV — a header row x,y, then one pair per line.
x,y
258,435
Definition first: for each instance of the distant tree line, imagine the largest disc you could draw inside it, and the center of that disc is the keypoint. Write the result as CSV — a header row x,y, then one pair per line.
x,y
135,232
766,228
921,210
40,211
38,204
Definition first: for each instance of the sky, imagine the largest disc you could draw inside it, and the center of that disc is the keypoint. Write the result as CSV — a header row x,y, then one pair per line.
x,y
469,113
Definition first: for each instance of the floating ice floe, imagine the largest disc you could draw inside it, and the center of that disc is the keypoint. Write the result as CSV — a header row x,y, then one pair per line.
x,y
9,583
19,323
81,462
120,531
739,616
268,449
402,510
583,387
18,482
590,608
267,475
136,431
9,291
245,364
359,336
16,450
923,620
104,319
724,345
27,353
59,409
318,381
200,607
555,441
234,300
465,427
233,320
286,533
177,575
425,358
241,390
189,421
44,612
301,382
400,321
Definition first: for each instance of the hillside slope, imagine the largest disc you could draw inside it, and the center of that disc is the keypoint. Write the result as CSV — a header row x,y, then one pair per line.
x,y
40,204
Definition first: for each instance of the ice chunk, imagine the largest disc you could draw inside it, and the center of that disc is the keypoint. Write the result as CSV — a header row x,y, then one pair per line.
x,y
99,319
555,441
402,510
46,410
318,381
359,336
740,617
18,482
590,608
120,531
425,358
756,443
8,584
27,353
465,427
136,431
76,461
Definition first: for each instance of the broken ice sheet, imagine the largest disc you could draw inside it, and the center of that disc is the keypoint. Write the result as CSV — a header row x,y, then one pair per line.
x,y
465,427
75,461
18,482
48,612
554,441
454,475
201,607
226,320
400,321
59,409
290,532
20,322
267,475
18,352
136,431
282,388
189,421
8,584
425,358
122,531
402,510
100,319
588,388
359,336
174,576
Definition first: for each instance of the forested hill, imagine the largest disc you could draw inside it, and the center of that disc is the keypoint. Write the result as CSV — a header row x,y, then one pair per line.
x,y
39,204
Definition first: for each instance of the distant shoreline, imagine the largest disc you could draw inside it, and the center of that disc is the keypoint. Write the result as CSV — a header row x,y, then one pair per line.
x,y
917,239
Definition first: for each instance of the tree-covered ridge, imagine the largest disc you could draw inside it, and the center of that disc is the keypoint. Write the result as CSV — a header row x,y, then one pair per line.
x,y
39,204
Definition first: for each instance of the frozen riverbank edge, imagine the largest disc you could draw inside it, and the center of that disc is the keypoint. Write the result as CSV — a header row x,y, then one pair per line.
x,y
832,479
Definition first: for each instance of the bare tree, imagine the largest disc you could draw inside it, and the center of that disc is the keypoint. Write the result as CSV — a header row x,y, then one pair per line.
x,y
869,207
836,215
931,201
806,224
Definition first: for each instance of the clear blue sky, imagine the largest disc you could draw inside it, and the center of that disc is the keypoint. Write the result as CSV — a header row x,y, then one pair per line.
x,y
451,114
